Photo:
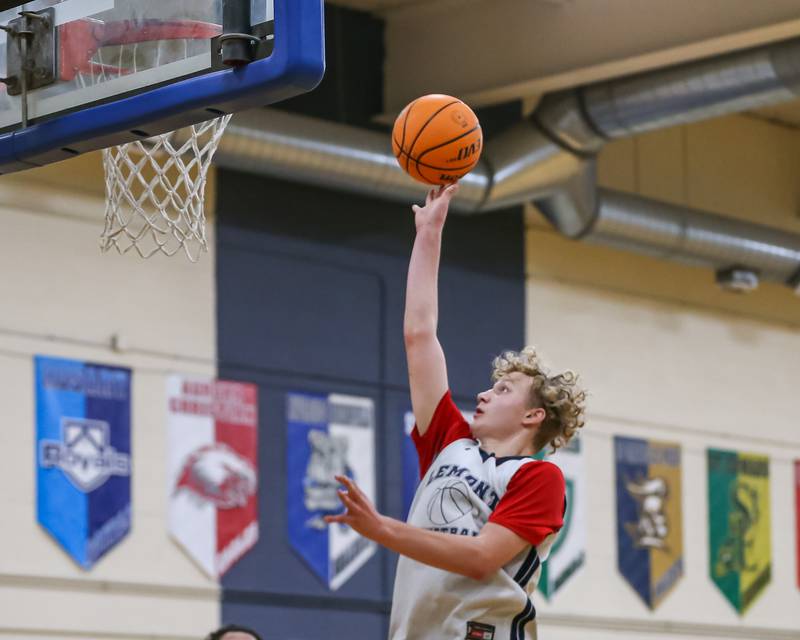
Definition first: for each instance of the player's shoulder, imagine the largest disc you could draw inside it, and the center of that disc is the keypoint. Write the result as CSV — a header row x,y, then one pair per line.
x,y
539,471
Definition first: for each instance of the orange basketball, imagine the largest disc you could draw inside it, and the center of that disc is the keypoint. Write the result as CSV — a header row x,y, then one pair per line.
x,y
437,139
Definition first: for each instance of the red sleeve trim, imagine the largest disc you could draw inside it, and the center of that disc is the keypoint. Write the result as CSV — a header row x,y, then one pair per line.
x,y
533,504
447,425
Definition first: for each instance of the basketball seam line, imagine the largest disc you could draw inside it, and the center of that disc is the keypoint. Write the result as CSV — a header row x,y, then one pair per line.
x,y
405,122
422,128
430,166
466,133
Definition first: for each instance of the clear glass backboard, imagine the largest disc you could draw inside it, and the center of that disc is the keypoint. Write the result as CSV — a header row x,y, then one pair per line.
x,y
104,72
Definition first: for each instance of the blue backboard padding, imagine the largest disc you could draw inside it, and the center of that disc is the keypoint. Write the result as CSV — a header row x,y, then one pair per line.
x,y
296,65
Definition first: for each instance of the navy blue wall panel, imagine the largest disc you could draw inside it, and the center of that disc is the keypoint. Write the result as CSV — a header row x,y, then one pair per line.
x,y
310,296
277,623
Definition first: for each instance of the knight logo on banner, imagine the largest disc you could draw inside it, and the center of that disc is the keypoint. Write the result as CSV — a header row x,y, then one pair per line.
x,y
649,516
568,551
328,436
212,430
411,460
739,525
83,453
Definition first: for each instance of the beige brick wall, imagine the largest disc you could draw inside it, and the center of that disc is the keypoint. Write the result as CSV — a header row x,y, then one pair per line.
x,y
59,296
667,355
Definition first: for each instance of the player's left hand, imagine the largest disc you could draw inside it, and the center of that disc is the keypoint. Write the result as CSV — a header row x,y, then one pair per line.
x,y
434,211
360,513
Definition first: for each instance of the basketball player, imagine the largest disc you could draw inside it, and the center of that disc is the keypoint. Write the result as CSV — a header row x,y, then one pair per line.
x,y
485,513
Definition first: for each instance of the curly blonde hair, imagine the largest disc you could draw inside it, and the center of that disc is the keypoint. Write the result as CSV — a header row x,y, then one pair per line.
x,y
559,395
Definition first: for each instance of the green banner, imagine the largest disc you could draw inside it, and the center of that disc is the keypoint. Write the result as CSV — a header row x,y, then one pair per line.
x,y
568,552
739,525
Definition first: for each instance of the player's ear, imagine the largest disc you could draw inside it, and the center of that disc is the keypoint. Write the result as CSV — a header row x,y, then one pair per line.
x,y
534,416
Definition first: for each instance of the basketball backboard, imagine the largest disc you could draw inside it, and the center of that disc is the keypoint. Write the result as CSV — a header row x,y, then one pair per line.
x,y
105,72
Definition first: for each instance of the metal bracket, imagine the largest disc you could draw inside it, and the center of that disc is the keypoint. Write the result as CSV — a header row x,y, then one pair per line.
x,y
30,51
262,43
738,279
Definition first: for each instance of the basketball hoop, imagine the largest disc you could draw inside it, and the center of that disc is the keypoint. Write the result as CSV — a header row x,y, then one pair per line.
x,y
155,187
155,192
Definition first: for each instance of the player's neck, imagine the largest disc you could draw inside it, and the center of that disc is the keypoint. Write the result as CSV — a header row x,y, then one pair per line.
x,y
510,447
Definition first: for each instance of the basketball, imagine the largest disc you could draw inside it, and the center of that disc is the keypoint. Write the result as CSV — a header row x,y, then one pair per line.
x,y
437,139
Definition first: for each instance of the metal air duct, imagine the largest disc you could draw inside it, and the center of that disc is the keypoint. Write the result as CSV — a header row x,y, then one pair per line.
x,y
548,159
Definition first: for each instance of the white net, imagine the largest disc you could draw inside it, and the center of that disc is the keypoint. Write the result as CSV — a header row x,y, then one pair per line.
x,y
155,191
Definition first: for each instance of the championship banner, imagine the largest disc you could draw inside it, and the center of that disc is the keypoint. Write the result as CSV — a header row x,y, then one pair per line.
x,y
212,469
568,551
649,516
739,525
411,460
83,453
328,435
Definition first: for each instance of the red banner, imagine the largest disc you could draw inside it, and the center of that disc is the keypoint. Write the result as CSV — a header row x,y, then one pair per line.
x,y
213,469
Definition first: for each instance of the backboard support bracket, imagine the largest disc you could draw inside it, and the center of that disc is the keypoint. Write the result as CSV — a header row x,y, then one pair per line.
x,y
30,51
261,44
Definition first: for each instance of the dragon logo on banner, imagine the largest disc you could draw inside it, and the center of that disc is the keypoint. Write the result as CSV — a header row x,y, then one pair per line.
x,y
649,517
568,552
84,455
212,429
739,525
328,435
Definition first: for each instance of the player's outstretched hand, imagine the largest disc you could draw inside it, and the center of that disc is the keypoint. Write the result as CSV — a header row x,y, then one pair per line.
x,y
360,513
436,204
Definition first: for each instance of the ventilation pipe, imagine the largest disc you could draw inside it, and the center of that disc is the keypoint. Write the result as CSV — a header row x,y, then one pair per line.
x,y
548,159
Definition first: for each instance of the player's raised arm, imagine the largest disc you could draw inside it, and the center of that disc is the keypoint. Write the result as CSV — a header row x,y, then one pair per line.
x,y
427,371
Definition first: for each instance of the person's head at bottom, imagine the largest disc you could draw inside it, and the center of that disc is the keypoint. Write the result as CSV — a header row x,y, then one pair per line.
x,y
233,632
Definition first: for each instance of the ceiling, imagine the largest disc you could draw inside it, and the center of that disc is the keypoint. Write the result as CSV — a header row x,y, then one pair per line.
x,y
385,6
377,6
491,51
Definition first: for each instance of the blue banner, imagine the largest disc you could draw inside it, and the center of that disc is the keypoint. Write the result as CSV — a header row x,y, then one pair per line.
x,y
328,435
649,516
83,454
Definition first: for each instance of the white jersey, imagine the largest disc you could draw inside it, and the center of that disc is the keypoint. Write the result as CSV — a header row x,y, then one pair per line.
x,y
461,490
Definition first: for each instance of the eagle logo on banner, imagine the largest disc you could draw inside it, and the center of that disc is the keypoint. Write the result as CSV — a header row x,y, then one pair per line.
x,y
328,435
83,416
212,428
739,525
215,474
649,516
